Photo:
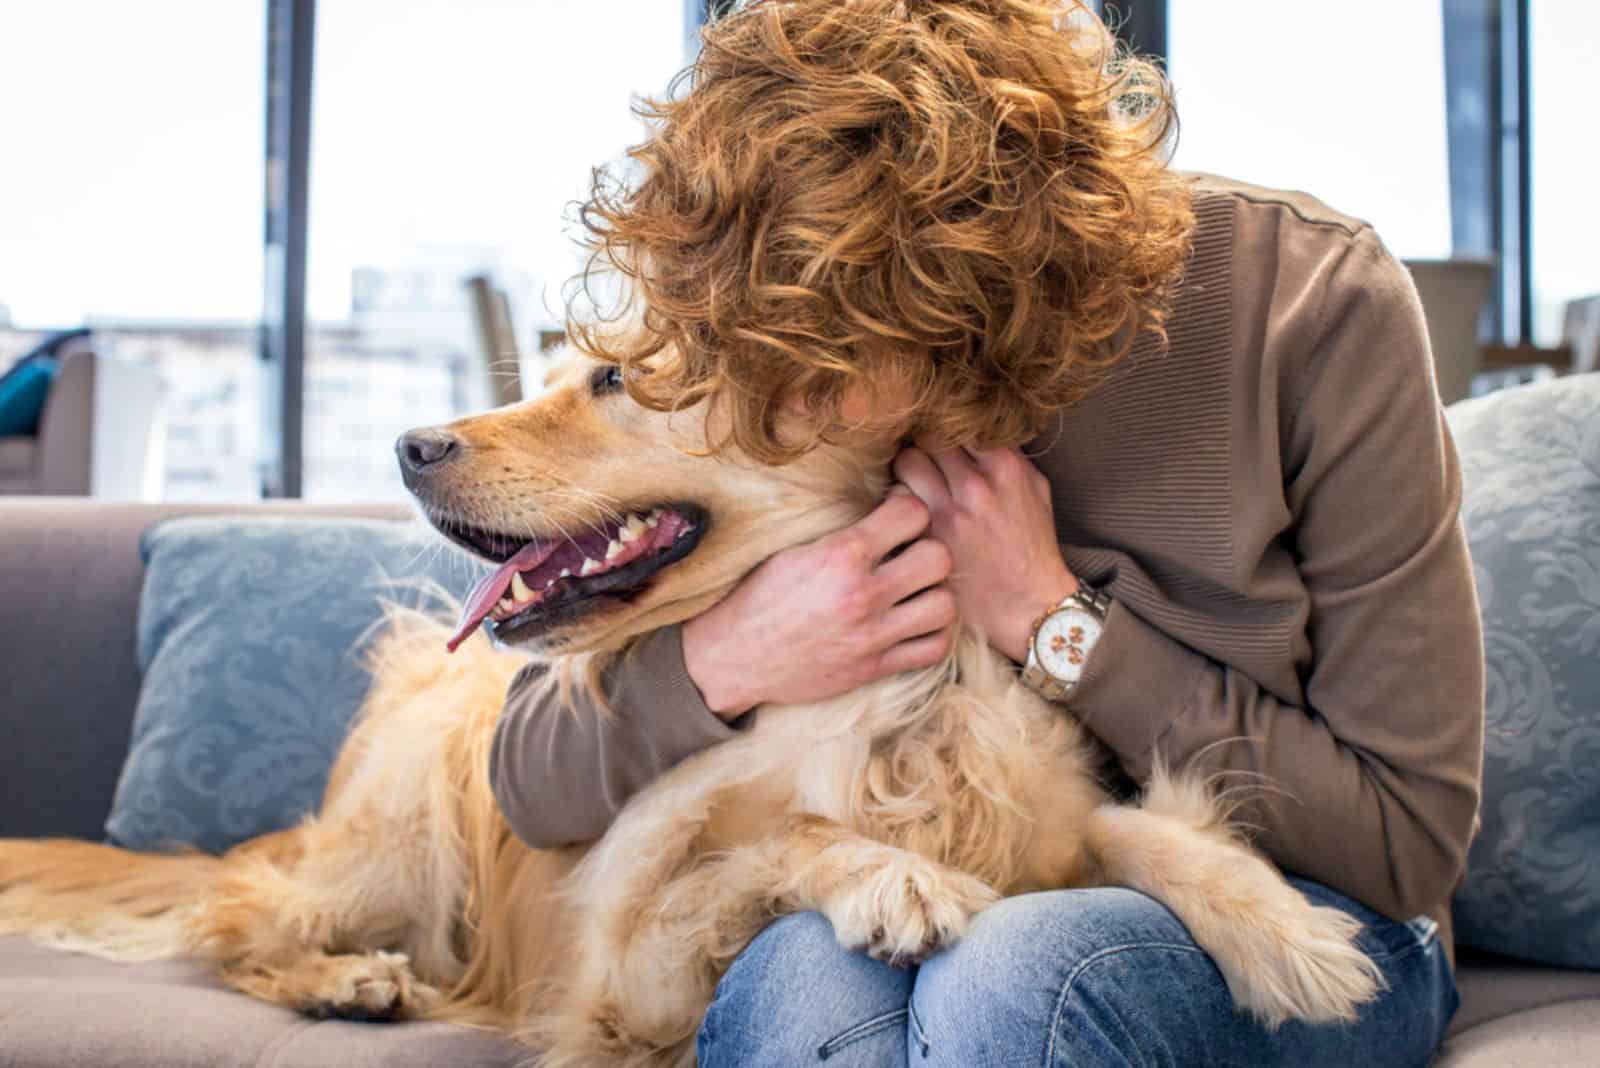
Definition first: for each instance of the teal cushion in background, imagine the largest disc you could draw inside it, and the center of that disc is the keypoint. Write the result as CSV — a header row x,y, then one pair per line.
x,y
251,640
23,391
1531,462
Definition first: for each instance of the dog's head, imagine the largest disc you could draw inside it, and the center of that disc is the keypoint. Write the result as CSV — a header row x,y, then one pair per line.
x,y
606,519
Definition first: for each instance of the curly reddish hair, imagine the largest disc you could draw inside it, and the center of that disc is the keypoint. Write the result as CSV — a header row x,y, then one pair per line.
x,y
966,198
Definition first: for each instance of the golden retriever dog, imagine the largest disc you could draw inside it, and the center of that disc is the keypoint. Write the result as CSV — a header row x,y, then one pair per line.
x,y
899,810
941,201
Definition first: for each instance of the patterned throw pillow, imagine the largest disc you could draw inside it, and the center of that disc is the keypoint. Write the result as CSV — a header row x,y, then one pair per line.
x,y
1531,461
251,640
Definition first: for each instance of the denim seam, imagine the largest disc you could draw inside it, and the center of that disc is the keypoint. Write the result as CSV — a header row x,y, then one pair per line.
x,y
918,1033
1084,965
860,1031
1397,954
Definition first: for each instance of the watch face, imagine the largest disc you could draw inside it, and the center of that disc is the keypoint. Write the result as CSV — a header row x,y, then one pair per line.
x,y
1063,642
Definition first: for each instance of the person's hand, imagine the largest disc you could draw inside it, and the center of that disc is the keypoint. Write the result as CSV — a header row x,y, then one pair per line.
x,y
818,620
991,508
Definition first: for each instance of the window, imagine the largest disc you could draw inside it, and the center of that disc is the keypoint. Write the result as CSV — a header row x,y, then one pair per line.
x,y
450,140
1348,106
131,202
1566,159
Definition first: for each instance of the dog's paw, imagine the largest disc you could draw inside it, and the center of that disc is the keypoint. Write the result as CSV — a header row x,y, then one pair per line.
x,y
372,987
1308,969
907,909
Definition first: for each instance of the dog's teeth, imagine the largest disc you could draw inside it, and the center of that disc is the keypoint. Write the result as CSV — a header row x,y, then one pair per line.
x,y
551,581
652,519
519,588
589,567
636,526
507,605
566,572
614,549
625,535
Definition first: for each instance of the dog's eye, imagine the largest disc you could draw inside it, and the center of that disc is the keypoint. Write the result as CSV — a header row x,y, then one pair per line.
x,y
606,379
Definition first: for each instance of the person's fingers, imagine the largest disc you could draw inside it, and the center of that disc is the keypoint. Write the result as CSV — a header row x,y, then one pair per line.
x,y
925,562
922,652
917,471
1006,468
995,461
960,473
928,612
900,518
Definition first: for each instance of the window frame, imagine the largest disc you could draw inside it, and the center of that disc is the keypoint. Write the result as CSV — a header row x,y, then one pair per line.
x,y
1486,62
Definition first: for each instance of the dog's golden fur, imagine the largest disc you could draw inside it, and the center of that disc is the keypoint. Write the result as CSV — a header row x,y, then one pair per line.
x,y
898,810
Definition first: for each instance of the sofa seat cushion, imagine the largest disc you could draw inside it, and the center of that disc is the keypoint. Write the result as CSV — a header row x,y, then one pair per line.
x,y
61,1009
1496,987
1555,1036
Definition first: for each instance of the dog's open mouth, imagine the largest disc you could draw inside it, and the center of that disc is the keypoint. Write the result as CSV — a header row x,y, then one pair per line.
x,y
541,582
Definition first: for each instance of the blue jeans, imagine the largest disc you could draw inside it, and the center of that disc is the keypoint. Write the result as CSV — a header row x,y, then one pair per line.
x,y
1075,977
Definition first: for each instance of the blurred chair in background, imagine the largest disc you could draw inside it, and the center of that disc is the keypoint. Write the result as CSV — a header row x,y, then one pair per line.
x,y
102,433
1453,294
497,340
1581,332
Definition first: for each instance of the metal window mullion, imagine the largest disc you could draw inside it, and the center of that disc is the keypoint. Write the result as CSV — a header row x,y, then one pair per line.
x,y
1521,163
291,26
1142,25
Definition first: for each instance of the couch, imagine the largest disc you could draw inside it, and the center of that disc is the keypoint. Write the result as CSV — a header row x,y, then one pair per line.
x,y
101,434
71,576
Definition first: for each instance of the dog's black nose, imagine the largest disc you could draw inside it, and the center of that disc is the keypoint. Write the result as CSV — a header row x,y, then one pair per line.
x,y
421,451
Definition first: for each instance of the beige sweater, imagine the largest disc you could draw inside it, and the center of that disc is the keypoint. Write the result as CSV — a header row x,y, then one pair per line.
x,y
1271,502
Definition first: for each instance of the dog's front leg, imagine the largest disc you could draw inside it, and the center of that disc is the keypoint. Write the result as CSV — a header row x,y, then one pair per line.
x,y
643,1002
891,903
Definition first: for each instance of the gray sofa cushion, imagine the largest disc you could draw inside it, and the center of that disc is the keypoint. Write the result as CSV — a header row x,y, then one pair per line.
x,y
58,1010
1531,463
1555,1036
1496,987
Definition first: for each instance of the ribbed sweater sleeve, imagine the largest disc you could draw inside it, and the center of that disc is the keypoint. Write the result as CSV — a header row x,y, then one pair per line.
x,y
560,772
1372,785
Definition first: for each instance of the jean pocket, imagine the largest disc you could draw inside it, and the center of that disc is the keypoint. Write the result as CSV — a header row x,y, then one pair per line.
x,y
1391,939
863,1030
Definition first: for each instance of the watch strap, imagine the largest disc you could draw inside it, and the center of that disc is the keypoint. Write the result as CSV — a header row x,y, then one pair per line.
x,y
1043,683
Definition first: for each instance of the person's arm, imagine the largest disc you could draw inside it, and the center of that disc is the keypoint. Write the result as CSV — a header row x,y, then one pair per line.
x,y
1373,787
844,609
560,774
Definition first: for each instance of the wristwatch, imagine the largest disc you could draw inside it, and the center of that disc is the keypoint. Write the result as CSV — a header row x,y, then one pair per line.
x,y
1062,640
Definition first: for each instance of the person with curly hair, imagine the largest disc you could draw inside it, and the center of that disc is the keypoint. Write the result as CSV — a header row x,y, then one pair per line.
x,y
1174,446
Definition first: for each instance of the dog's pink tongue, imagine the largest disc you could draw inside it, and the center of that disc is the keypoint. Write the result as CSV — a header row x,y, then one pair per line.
x,y
481,601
